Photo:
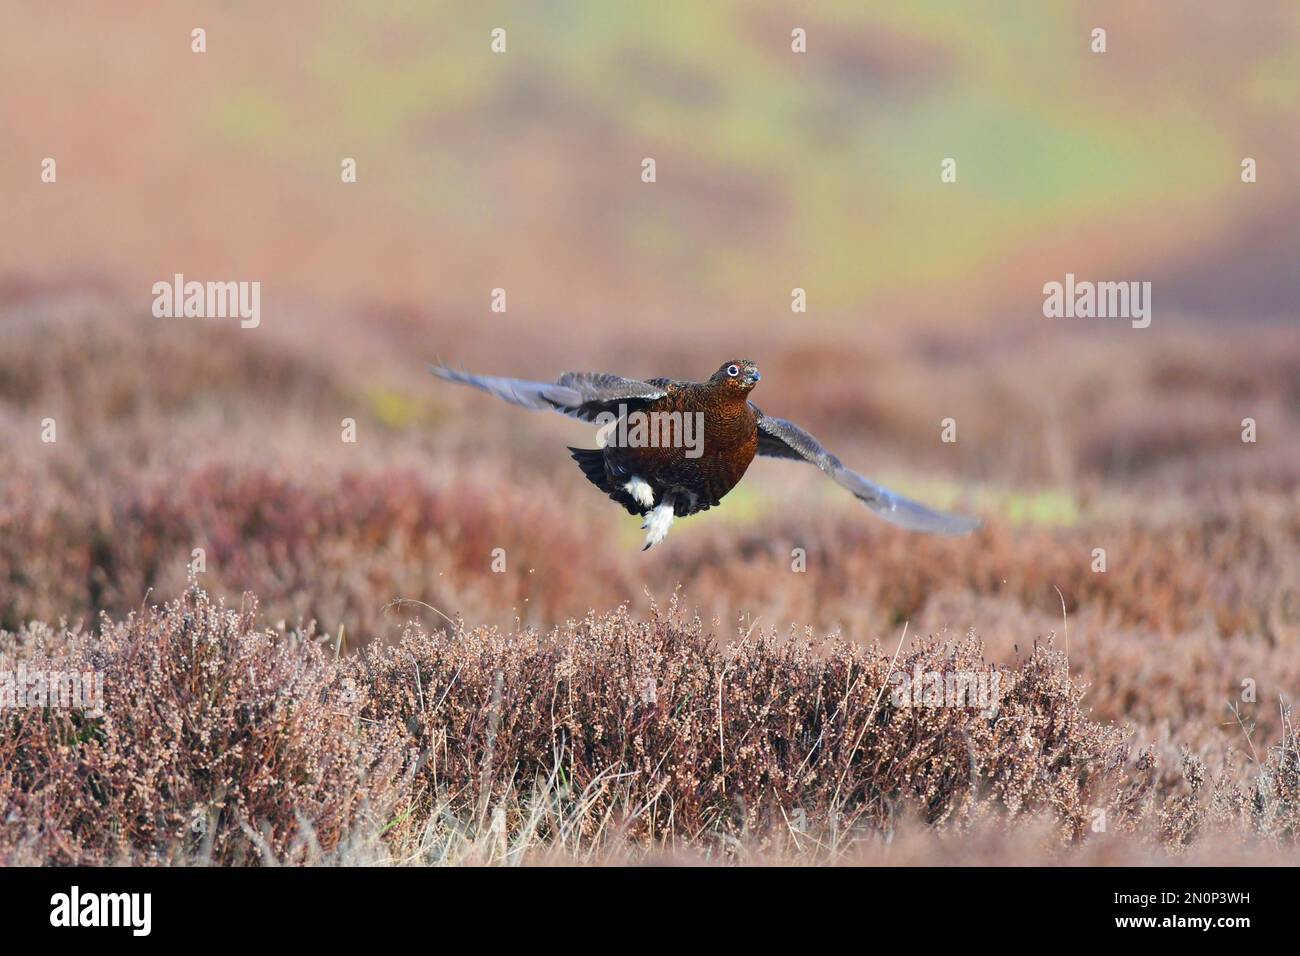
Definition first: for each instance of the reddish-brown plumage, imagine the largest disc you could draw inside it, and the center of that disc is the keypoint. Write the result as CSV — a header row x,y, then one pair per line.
x,y
729,443
694,443
727,427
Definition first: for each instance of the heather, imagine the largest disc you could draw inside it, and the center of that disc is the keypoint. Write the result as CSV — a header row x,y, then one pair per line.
x,y
345,613
610,738
310,655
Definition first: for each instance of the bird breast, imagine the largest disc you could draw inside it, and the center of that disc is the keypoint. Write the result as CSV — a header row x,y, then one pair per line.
x,y
704,440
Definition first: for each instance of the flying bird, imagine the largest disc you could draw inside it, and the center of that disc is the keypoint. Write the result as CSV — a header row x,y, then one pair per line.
x,y
679,447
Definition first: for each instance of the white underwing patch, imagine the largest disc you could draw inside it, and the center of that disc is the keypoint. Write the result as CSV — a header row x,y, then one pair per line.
x,y
657,523
640,491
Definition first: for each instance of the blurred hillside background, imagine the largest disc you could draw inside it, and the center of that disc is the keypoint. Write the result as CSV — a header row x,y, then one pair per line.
x,y
774,171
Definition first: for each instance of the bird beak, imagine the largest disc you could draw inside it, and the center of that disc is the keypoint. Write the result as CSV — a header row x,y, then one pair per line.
x,y
754,376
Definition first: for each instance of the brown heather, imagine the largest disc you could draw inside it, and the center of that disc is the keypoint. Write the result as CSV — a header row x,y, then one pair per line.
x,y
532,731
224,743
217,741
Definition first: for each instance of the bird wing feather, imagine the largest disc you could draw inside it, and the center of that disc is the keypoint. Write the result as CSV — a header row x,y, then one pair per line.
x,y
577,394
778,438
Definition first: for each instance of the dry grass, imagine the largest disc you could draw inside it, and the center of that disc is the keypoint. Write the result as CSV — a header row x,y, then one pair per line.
x,y
244,737
229,743
610,739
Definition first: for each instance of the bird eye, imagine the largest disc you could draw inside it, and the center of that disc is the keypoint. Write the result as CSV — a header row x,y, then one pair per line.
x,y
733,370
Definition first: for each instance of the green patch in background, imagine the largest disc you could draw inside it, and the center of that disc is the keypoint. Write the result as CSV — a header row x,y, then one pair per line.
x,y
397,410
1047,508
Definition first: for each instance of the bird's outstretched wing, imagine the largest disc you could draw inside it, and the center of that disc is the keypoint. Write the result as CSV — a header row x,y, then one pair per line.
x,y
778,438
578,394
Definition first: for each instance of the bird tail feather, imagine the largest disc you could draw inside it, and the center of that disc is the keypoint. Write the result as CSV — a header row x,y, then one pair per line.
x,y
592,463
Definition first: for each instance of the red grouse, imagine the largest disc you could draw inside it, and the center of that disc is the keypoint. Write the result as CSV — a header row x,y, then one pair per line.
x,y
670,449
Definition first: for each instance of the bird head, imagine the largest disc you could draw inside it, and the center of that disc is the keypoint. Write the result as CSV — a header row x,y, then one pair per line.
x,y
739,374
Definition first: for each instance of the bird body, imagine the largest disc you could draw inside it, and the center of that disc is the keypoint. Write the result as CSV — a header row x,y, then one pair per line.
x,y
679,447
694,482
